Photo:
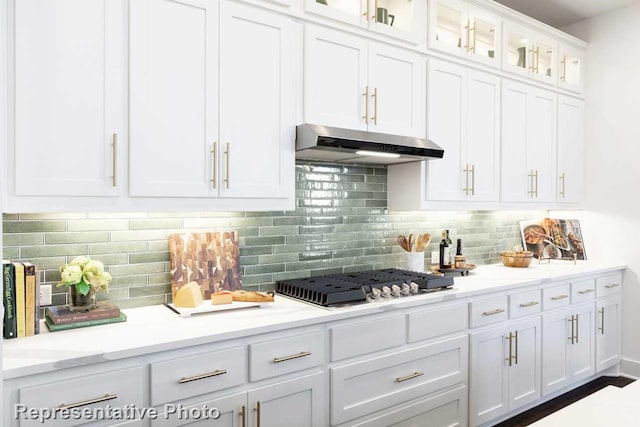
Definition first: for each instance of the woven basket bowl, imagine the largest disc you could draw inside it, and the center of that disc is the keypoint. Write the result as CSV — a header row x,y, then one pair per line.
x,y
516,259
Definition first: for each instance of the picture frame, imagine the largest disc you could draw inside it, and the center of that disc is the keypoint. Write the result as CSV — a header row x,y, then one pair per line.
x,y
553,238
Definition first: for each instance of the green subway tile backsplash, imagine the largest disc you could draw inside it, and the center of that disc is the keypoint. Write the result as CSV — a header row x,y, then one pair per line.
x,y
341,224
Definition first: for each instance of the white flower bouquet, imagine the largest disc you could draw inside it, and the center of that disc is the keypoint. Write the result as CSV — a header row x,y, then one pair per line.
x,y
85,273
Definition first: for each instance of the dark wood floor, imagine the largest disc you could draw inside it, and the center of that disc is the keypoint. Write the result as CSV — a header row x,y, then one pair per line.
x,y
541,411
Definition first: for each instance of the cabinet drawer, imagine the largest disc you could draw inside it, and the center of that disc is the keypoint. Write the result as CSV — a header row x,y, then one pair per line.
x,y
556,297
435,322
442,410
609,285
202,373
524,303
114,389
367,337
488,311
584,290
371,385
282,356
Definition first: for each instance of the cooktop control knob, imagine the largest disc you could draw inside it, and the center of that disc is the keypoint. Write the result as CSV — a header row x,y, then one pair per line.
x,y
395,290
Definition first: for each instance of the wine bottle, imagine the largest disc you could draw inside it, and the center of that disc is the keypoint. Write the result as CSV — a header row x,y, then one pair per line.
x,y
459,247
445,252
451,254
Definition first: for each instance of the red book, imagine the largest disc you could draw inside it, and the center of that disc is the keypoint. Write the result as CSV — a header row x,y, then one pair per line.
x,y
62,314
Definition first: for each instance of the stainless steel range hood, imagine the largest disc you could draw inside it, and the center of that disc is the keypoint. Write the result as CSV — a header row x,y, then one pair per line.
x,y
315,142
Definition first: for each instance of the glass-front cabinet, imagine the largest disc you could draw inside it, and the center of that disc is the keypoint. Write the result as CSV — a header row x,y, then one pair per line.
x,y
529,54
570,65
402,19
458,28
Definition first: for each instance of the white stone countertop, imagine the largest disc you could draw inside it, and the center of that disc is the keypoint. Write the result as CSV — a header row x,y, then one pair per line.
x,y
156,328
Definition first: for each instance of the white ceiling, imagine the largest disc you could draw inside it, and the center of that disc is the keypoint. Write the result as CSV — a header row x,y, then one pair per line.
x,y
559,13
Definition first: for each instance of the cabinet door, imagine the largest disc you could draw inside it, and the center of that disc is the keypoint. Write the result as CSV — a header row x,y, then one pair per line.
x,y
335,79
543,66
583,348
257,99
524,373
448,24
488,375
485,36
571,71
350,11
447,127
483,136
516,183
541,143
570,150
516,48
295,403
70,97
397,79
173,97
232,410
556,342
607,333
401,19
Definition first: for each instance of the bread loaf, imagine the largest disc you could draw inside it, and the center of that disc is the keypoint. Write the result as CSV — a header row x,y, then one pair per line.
x,y
252,296
222,297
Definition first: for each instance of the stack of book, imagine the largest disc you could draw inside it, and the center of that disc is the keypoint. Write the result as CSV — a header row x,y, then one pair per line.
x,y
20,297
61,317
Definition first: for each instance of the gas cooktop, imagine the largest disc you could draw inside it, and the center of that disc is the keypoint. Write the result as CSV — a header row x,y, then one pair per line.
x,y
368,286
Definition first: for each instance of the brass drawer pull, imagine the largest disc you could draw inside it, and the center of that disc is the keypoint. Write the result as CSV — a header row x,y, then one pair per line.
x,y
202,376
243,414
491,313
529,304
258,413
614,285
559,297
601,328
409,377
572,338
510,358
104,398
516,356
586,291
293,356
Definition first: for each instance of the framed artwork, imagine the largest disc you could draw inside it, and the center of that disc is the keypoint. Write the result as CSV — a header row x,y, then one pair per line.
x,y
212,259
551,238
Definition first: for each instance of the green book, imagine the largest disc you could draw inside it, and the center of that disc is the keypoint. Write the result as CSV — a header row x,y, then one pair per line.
x,y
83,324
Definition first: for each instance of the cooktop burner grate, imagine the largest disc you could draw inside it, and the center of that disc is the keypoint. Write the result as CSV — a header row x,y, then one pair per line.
x,y
354,287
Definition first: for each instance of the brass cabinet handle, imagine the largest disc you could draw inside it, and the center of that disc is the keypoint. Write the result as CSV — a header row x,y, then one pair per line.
x,y
492,312
613,285
473,179
586,291
366,13
536,181
366,100
375,106
375,9
601,328
573,329
257,409
473,48
577,328
468,43
227,154
202,376
214,164
529,304
416,374
516,339
114,159
562,178
243,414
466,179
537,53
530,184
510,358
293,356
563,74
104,398
559,297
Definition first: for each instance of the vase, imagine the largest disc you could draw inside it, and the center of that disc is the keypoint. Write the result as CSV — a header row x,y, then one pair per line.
x,y
79,302
414,261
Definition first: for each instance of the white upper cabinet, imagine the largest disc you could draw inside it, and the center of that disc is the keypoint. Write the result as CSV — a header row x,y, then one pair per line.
x,y
70,97
173,97
464,30
178,147
528,144
400,19
375,87
571,68
570,171
464,119
529,54
257,103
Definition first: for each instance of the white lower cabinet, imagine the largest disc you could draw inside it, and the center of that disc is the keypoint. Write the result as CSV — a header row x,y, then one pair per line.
x,y
504,369
229,413
607,333
568,347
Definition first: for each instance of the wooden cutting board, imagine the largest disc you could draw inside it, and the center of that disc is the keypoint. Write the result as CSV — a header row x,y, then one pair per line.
x,y
212,259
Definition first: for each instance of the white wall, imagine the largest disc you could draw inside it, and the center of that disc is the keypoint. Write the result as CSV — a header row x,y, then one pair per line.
x,y
613,155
